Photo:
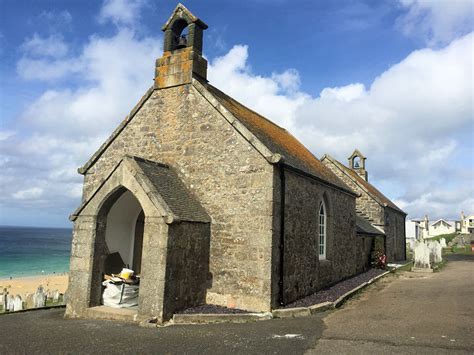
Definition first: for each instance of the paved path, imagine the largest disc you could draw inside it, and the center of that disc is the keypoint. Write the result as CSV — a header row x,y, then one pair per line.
x,y
408,313
437,310
46,332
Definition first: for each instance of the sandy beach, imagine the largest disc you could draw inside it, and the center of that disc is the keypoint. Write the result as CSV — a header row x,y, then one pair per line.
x,y
23,285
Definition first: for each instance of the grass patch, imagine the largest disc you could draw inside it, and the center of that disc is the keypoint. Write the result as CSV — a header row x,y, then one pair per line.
x,y
448,237
439,266
466,250
406,267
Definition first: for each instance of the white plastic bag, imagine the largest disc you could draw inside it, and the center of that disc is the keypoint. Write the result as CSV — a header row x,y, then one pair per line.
x,y
120,296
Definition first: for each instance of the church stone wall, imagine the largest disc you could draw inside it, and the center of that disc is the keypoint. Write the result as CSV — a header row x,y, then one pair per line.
x,y
187,266
395,235
304,273
232,181
392,221
364,248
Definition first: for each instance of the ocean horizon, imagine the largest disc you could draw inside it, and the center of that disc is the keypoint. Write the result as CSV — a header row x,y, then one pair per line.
x,y
33,251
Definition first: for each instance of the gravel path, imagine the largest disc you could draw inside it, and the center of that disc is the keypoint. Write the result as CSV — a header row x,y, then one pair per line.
x,y
332,293
213,309
329,294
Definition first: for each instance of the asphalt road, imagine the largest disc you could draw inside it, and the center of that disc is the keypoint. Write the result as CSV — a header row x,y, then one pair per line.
x,y
407,313
404,313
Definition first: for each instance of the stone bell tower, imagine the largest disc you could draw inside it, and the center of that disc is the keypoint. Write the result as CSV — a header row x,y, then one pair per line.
x,y
357,163
182,50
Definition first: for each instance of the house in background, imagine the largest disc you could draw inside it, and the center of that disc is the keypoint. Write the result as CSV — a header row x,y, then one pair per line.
x,y
371,204
467,224
423,228
441,226
213,203
412,231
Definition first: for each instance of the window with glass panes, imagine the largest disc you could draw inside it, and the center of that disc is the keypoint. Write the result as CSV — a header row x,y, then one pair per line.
x,y
322,231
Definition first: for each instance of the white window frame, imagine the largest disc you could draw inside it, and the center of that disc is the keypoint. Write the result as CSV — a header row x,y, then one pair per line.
x,y
322,231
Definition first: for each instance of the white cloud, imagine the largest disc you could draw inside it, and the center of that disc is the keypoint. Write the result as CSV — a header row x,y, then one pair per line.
x,y
52,46
63,127
409,121
121,12
437,21
114,72
346,93
4,135
55,20
31,193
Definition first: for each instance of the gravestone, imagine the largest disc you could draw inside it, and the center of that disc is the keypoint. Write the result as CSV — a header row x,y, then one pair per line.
x,y
443,243
39,297
10,303
17,303
421,253
435,252
29,301
55,296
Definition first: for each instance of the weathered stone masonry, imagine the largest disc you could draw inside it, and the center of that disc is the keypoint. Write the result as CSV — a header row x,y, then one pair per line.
x,y
230,200
190,135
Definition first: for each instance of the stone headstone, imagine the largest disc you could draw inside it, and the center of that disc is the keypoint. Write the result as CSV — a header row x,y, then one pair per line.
x,y
443,243
17,303
29,302
39,297
56,296
421,255
435,251
10,303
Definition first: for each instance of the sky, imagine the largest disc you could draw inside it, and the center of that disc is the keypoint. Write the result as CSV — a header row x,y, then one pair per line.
x,y
392,78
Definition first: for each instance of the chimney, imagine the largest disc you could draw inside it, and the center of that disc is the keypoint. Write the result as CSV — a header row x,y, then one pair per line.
x,y
182,50
357,163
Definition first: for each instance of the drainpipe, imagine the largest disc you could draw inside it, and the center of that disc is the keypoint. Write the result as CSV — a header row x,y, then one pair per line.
x,y
282,231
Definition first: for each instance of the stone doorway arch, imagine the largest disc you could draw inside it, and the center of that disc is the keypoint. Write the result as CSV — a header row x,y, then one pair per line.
x,y
176,240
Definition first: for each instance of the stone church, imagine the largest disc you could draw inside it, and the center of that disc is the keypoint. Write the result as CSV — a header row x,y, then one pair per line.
x,y
210,202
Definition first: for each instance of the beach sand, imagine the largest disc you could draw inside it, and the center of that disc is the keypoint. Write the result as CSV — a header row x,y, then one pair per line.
x,y
23,285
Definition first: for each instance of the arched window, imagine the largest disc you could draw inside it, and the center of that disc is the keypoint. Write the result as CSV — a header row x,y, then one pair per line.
x,y
322,231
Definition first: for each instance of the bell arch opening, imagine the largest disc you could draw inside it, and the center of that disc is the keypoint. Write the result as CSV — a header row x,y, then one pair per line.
x,y
180,34
119,239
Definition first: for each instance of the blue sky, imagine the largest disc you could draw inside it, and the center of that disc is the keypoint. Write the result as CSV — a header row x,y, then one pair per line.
x,y
393,78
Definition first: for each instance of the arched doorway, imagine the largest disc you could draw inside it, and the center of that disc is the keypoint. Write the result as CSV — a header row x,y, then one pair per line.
x,y
120,228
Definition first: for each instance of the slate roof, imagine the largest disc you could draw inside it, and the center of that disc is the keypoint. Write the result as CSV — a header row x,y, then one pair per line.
x,y
172,190
277,139
363,226
371,190
162,185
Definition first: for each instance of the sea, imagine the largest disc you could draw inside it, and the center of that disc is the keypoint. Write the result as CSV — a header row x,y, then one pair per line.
x,y
32,251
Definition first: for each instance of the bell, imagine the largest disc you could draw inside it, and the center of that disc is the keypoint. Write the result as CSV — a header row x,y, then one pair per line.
x,y
356,164
182,42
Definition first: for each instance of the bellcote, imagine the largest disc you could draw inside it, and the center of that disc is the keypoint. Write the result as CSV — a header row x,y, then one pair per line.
x,y
357,163
182,50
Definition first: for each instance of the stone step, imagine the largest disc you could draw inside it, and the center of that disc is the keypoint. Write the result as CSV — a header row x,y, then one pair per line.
x,y
104,312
